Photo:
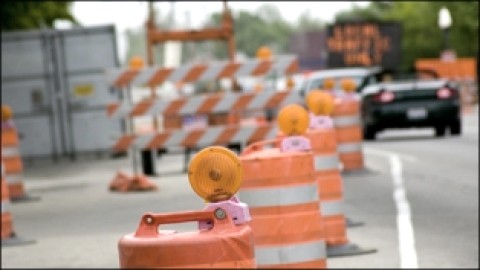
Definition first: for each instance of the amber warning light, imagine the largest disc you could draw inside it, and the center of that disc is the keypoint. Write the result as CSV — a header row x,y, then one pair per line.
x,y
215,174
293,120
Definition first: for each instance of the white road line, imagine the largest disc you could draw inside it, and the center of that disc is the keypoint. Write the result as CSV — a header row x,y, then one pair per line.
x,y
384,153
406,238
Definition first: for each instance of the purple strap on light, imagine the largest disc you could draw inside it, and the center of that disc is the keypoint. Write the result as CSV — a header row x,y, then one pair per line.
x,y
7,124
236,210
349,96
320,121
295,144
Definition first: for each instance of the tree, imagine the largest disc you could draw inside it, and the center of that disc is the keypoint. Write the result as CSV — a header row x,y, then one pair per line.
x,y
375,11
422,37
22,15
308,23
265,27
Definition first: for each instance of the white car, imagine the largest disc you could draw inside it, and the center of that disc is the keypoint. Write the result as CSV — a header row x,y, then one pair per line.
x,y
362,76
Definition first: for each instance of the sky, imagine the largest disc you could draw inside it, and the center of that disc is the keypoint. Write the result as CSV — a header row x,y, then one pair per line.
x,y
132,14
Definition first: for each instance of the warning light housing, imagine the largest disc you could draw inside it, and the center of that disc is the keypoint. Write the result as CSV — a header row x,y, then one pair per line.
x,y
6,112
348,85
136,63
215,173
328,84
293,119
319,102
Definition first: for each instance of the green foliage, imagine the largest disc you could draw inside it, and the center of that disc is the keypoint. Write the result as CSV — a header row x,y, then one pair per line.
x,y
374,12
308,23
253,30
22,15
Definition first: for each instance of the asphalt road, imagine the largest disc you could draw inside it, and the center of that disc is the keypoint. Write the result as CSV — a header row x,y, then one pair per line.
x,y
419,204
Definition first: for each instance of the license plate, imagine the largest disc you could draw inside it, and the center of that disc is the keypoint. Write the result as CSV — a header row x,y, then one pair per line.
x,y
417,113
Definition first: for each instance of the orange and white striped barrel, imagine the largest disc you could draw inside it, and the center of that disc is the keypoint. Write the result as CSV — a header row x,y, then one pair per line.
x,y
327,171
225,245
13,162
7,226
282,195
347,122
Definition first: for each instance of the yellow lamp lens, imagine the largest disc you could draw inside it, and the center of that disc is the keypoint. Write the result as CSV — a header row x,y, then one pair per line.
x,y
6,112
319,102
348,85
264,53
136,63
215,173
328,84
293,120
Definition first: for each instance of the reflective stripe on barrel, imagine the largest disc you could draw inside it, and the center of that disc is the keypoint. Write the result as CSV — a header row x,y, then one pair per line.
x,y
326,162
311,251
349,147
10,152
279,196
345,121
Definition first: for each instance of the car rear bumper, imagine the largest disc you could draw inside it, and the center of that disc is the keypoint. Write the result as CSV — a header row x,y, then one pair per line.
x,y
412,114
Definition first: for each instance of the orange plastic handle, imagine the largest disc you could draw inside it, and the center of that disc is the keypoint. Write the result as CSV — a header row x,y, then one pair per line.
x,y
149,223
258,146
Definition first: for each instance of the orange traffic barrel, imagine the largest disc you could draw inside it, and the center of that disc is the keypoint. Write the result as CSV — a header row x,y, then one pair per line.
x,y
8,234
327,172
329,179
281,192
224,245
13,163
346,118
7,226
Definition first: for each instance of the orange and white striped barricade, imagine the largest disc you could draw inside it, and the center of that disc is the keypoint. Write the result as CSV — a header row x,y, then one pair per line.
x,y
327,171
13,163
190,73
280,189
204,105
194,72
9,236
347,120
224,240
214,135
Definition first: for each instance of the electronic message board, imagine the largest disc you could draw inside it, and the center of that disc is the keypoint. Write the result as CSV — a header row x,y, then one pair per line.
x,y
366,44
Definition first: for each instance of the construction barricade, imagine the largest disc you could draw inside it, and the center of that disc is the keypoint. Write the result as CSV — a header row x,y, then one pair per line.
x,y
12,159
347,121
282,194
223,239
220,109
9,236
322,138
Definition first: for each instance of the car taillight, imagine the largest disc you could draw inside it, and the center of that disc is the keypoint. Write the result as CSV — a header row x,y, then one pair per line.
x,y
384,96
444,93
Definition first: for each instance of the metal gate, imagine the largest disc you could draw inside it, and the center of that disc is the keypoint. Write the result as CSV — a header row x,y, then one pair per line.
x,y
54,81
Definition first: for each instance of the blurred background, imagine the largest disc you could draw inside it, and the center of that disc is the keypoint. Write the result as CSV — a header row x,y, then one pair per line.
x,y
286,27
55,54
